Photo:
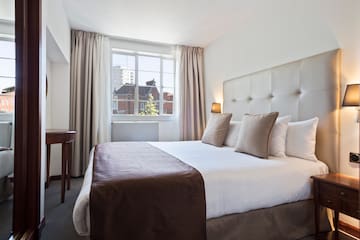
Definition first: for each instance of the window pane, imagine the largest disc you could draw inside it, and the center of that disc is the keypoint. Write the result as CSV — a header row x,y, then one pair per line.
x,y
149,108
122,76
7,49
7,95
148,93
168,66
124,92
7,68
168,108
149,78
123,107
124,61
149,64
123,70
168,94
168,79
6,84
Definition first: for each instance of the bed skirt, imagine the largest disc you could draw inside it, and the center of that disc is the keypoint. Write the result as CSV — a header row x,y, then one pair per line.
x,y
290,221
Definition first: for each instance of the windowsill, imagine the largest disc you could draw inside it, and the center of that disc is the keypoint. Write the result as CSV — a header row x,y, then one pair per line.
x,y
133,118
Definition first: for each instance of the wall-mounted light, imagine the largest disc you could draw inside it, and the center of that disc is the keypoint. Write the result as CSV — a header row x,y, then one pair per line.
x,y
216,108
352,99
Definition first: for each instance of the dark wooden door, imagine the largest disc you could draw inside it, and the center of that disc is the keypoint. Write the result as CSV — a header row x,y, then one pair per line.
x,y
27,165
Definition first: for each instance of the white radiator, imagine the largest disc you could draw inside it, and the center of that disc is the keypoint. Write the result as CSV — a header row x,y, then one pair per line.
x,y
5,134
135,131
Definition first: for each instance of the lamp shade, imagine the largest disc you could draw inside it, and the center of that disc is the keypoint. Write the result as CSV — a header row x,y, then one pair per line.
x,y
216,108
352,96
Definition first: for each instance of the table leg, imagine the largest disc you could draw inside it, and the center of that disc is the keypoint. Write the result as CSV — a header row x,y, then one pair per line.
x,y
336,222
63,171
69,165
316,209
48,154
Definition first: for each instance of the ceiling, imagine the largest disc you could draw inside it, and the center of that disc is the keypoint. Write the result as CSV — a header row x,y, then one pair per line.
x,y
188,22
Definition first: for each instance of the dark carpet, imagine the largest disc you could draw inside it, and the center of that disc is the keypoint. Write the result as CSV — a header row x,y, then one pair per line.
x,y
58,217
5,218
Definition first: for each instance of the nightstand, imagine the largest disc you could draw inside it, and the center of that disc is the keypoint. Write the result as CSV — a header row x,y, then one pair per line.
x,y
337,192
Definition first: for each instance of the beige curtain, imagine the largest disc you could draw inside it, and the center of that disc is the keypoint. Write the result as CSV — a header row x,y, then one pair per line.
x,y
192,96
90,106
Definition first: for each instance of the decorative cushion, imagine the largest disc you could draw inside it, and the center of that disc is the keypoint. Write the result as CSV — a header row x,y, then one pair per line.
x,y
217,129
233,134
254,136
301,139
278,137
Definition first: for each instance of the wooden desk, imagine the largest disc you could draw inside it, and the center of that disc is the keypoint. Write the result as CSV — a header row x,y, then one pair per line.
x,y
65,137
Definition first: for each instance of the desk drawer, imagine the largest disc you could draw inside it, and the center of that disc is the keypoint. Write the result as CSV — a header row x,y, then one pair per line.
x,y
349,202
350,207
329,196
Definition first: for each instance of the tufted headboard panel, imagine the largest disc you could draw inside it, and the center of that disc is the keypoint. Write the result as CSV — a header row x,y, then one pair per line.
x,y
304,89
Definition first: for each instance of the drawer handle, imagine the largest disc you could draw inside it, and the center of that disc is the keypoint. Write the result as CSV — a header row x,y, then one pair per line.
x,y
328,201
342,193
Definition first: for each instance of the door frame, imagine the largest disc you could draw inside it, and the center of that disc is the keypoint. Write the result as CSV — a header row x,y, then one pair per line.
x,y
27,159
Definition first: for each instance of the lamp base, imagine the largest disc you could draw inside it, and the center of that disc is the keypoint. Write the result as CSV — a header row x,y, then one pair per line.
x,y
354,157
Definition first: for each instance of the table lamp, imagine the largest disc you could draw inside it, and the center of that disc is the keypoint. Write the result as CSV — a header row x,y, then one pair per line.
x,y
216,108
352,99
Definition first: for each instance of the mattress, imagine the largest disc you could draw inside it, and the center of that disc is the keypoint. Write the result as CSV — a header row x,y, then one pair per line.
x,y
234,182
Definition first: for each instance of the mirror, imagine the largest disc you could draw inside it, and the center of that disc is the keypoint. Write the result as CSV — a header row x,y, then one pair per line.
x,y
7,103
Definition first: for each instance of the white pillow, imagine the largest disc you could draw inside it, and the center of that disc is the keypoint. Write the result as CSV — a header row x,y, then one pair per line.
x,y
277,145
233,134
301,139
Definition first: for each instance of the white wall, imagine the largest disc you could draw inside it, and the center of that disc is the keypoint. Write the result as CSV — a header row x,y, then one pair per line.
x,y
57,107
58,25
7,10
58,35
49,74
42,71
280,31
58,110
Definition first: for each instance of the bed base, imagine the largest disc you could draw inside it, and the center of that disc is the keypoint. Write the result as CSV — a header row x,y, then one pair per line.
x,y
290,221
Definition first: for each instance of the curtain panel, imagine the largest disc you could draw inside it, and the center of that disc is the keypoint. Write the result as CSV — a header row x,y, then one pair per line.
x,y
192,92
90,104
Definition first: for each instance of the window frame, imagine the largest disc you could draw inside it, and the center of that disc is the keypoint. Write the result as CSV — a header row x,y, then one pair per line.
x,y
7,116
136,116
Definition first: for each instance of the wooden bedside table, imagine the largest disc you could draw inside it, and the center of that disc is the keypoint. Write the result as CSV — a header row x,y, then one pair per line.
x,y
337,192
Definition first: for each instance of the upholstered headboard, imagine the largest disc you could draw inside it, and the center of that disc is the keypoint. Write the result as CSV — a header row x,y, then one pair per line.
x,y
303,89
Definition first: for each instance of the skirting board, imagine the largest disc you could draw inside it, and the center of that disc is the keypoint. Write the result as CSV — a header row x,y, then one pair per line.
x,y
350,229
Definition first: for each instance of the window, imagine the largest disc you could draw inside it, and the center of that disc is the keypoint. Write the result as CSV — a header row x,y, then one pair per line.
x,y
7,76
142,84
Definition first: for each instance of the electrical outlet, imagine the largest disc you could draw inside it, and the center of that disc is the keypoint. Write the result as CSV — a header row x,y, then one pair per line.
x,y
355,157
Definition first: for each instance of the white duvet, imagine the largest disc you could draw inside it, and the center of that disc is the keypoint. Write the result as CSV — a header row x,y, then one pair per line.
x,y
234,182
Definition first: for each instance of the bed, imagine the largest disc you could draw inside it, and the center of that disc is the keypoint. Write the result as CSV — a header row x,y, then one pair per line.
x,y
247,196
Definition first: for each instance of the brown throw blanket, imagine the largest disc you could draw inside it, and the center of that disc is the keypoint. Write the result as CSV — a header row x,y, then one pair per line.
x,y
139,192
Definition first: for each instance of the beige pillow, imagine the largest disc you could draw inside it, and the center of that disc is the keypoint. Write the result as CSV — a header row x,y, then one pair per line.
x,y
216,129
255,133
